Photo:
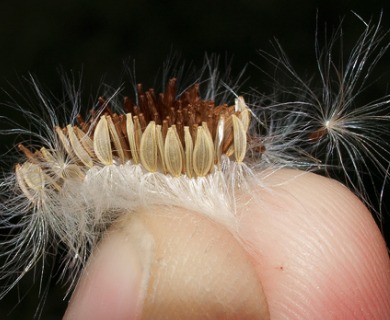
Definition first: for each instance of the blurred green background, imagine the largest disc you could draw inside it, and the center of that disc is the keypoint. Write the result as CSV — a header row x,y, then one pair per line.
x,y
95,37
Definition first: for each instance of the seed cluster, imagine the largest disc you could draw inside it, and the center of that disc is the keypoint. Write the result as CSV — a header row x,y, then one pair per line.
x,y
185,135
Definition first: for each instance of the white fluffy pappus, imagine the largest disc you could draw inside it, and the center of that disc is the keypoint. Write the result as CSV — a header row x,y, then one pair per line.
x,y
65,196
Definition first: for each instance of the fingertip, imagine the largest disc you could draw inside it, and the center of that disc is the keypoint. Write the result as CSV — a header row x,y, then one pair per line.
x,y
192,268
317,248
200,271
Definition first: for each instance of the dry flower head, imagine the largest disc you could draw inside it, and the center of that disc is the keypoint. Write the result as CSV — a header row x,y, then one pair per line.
x,y
164,133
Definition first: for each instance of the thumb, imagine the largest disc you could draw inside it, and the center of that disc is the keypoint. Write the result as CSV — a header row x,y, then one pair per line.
x,y
168,264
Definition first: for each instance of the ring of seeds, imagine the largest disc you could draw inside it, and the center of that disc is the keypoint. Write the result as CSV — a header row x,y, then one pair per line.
x,y
164,133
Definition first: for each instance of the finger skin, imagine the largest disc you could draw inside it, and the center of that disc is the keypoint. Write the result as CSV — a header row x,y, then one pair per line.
x,y
304,241
318,251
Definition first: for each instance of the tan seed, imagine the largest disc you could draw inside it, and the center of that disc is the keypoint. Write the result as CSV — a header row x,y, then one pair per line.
x,y
131,137
78,148
189,146
203,152
173,152
239,139
148,148
102,143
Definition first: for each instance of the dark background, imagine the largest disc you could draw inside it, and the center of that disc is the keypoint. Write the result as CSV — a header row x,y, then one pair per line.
x,y
97,36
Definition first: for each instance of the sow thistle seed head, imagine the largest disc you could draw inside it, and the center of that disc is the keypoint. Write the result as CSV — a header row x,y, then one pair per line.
x,y
167,149
166,134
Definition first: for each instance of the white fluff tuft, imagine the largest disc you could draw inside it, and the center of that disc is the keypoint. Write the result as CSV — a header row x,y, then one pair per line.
x,y
324,122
